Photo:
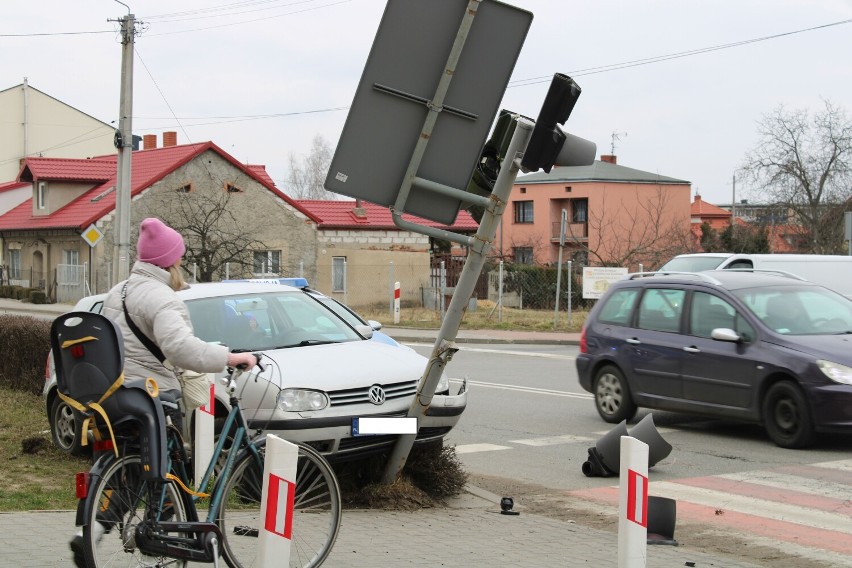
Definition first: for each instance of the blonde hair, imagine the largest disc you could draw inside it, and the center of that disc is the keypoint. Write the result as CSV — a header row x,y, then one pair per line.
x,y
176,282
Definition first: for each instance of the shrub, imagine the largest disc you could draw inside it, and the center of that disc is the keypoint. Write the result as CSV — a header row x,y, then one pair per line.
x,y
38,297
28,343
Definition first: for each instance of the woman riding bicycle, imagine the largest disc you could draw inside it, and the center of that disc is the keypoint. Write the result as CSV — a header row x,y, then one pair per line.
x,y
149,300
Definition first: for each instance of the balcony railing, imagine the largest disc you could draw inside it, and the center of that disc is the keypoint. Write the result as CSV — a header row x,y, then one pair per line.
x,y
573,231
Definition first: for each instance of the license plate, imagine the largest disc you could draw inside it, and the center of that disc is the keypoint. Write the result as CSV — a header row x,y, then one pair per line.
x,y
373,426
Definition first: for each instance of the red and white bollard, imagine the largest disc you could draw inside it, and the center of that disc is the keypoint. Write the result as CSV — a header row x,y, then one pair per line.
x,y
204,442
276,509
633,504
396,302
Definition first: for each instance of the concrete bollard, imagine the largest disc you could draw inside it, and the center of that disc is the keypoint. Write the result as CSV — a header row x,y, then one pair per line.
x,y
276,509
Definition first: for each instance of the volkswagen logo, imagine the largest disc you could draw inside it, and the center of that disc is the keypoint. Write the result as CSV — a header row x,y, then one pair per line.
x,y
377,395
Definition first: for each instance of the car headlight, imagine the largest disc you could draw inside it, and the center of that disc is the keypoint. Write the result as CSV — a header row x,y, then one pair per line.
x,y
836,372
299,400
443,384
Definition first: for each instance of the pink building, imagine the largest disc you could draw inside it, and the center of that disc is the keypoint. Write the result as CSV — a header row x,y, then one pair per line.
x,y
616,215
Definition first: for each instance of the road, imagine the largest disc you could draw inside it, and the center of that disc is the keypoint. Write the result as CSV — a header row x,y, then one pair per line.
x,y
529,421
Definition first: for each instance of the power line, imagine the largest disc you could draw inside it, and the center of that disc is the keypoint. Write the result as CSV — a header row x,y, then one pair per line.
x,y
659,58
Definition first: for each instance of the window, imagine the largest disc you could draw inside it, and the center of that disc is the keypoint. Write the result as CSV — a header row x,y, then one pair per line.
x,y
523,211
15,264
709,312
184,188
71,257
338,274
41,197
267,262
619,307
660,309
579,210
230,188
523,255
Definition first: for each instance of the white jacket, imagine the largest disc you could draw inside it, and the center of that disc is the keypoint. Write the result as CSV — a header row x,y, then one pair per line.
x,y
161,315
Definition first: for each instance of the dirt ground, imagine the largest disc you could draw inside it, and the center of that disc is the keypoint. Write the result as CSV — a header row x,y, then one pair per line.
x,y
547,502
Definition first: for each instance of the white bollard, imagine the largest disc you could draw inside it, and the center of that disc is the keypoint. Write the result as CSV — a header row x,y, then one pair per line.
x,y
396,302
276,508
204,441
633,504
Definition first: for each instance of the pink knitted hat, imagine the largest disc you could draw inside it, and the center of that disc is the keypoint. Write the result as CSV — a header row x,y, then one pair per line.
x,y
159,244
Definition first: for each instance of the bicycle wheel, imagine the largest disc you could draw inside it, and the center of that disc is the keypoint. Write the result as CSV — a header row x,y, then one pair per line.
x,y
316,515
118,505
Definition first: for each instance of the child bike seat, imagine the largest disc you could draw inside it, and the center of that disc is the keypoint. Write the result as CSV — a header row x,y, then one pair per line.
x,y
88,353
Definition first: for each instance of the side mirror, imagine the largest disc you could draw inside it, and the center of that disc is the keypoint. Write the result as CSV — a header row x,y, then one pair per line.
x,y
375,325
725,334
364,331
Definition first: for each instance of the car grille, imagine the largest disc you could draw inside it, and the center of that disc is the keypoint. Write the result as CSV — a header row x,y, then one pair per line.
x,y
362,395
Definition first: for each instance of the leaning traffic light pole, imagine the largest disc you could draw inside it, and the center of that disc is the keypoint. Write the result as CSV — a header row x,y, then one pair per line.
x,y
530,148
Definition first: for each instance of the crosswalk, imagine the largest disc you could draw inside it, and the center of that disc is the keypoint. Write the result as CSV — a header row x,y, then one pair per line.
x,y
803,509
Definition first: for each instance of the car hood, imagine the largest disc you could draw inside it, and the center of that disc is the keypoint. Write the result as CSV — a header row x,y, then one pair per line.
x,y
836,348
337,366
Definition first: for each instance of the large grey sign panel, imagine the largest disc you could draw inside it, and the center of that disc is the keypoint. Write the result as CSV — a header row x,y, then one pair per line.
x,y
409,54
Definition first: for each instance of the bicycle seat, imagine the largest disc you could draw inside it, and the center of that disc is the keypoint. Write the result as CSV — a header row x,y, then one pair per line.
x,y
88,353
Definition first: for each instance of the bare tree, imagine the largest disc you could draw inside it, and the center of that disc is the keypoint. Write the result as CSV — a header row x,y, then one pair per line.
x,y
645,235
803,164
213,234
307,174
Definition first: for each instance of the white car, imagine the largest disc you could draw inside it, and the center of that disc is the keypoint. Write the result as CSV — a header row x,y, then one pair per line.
x,y
321,373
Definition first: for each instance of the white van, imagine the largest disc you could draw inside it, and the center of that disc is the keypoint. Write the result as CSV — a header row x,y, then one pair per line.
x,y
831,271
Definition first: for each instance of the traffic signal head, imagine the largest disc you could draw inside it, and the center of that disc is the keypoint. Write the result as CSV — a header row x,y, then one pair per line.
x,y
549,145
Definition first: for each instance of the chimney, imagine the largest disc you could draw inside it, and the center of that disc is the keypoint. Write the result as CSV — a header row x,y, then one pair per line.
x,y
697,198
609,158
359,210
169,139
149,141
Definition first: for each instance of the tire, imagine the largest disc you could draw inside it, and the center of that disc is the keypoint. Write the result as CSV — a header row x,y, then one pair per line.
x,y
787,416
66,429
118,503
612,395
316,515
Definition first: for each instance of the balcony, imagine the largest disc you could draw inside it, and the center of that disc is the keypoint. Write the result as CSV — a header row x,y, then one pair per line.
x,y
574,232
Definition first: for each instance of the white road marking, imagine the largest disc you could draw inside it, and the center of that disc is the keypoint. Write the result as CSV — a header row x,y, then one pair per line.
x,y
474,448
660,431
585,396
502,352
815,518
784,481
552,440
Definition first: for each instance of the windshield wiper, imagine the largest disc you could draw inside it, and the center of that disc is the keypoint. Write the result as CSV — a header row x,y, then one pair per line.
x,y
307,342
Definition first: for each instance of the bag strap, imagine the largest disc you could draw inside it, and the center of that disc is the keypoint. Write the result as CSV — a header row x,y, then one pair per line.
x,y
152,347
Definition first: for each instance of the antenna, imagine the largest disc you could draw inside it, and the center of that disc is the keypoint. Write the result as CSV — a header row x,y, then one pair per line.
x,y
616,136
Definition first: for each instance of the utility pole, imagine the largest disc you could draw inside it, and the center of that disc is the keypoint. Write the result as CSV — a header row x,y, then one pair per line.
x,y
733,198
124,144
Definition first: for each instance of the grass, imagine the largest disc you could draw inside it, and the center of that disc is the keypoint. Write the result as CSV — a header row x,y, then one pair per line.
x,y
485,316
37,475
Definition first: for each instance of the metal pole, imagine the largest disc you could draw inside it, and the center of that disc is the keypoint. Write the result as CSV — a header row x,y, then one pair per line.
x,y
570,297
442,288
391,289
500,294
563,221
445,346
124,143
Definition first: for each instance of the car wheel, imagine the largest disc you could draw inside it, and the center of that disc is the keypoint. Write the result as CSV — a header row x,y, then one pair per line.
x,y
612,395
787,416
66,428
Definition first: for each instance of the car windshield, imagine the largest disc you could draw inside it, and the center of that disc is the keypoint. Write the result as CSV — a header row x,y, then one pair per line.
x,y
342,311
692,264
806,310
270,320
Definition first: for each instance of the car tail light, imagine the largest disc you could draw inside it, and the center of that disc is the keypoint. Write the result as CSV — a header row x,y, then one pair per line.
x,y
81,484
584,347
102,446
47,367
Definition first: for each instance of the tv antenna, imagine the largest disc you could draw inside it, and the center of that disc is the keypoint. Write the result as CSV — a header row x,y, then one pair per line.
x,y
616,136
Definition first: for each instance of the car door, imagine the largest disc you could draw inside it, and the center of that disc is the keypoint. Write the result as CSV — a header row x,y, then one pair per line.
x,y
654,348
716,373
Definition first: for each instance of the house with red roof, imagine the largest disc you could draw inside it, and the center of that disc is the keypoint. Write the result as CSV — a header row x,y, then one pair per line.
x,y
61,237
361,253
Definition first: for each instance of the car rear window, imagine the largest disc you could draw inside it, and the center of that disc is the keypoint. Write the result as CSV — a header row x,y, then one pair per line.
x,y
618,307
660,309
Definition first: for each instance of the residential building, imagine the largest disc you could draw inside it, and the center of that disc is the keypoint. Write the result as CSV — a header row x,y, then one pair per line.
x,y
50,240
361,253
615,215
34,124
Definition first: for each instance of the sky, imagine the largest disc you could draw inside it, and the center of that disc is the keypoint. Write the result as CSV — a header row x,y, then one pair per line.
x,y
673,87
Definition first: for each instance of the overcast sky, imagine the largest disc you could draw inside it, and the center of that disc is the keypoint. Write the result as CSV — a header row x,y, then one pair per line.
x,y
261,78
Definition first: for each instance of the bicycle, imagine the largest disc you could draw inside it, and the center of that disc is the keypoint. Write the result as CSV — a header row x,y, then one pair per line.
x,y
132,518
